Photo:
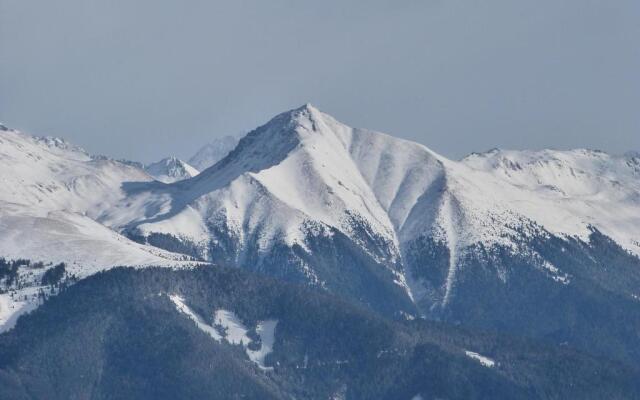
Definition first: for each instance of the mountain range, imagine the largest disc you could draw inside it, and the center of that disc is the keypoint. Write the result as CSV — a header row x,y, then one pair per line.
x,y
542,246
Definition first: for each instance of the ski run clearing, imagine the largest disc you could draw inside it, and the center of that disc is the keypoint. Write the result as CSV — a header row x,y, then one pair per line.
x,y
228,327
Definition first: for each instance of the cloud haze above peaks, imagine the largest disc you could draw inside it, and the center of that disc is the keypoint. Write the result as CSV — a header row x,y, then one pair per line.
x,y
143,79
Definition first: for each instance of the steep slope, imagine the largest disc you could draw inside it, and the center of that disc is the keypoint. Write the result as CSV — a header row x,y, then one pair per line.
x,y
171,169
392,225
304,174
288,201
157,333
213,152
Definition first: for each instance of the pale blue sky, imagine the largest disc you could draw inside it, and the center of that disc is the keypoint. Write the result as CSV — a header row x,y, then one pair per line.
x,y
141,79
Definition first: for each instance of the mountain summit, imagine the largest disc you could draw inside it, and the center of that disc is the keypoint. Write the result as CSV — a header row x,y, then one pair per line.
x,y
213,152
171,169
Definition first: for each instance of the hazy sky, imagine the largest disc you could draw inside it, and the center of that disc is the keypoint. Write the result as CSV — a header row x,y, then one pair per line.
x,y
142,79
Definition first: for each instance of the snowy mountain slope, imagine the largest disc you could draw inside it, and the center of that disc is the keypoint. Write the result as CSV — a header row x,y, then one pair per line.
x,y
62,236
298,162
51,174
563,192
568,191
540,244
213,152
52,191
325,170
303,177
273,160
425,193
171,169
289,183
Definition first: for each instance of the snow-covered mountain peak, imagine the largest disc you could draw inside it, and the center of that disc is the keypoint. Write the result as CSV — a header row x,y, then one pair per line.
x,y
283,127
49,144
295,121
60,143
301,159
306,110
171,169
321,170
213,152
268,145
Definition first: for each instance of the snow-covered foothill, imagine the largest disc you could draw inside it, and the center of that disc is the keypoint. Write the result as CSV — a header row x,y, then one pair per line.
x,y
52,198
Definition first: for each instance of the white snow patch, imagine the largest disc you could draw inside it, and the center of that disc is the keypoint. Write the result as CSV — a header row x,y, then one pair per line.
x,y
486,361
228,327
12,306
451,235
564,279
200,323
556,274
187,224
235,332
267,332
